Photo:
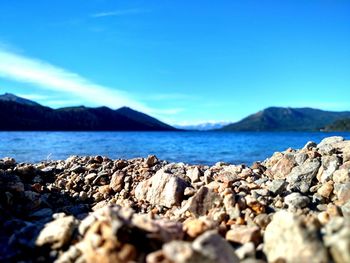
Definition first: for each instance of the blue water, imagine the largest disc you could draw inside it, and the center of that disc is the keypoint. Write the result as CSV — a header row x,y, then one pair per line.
x,y
188,147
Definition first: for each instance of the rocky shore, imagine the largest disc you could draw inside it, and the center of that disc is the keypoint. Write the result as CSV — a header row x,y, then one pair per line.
x,y
292,207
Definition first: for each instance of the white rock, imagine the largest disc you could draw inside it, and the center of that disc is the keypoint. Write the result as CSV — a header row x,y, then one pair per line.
x,y
57,233
162,189
214,247
288,240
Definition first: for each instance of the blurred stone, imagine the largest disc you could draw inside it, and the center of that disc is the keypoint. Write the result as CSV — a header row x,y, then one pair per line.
x,y
342,191
117,181
326,189
277,186
151,160
287,239
296,200
244,234
203,201
194,227
194,174
329,165
337,238
212,246
57,233
247,250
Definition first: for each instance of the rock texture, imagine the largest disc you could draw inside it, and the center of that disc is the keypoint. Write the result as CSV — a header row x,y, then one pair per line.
x,y
292,207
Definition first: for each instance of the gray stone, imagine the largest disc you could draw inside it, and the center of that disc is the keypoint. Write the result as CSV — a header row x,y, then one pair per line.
x,y
300,158
162,189
57,233
90,177
296,201
117,181
276,186
328,145
288,240
342,191
301,177
309,145
247,250
329,165
337,238
181,252
330,140
194,174
214,247
345,209
342,175
203,201
77,169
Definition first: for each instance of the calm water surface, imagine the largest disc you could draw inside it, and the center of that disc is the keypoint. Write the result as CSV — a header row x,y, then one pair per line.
x,y
188,147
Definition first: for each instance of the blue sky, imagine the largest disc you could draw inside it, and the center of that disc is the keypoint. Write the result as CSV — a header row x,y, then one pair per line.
x,y
181,61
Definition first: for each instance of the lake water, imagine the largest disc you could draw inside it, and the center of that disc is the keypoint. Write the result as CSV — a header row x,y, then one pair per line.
x,y
188,147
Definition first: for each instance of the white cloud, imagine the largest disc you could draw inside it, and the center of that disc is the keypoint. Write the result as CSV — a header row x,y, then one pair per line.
x,y
47,76
120,13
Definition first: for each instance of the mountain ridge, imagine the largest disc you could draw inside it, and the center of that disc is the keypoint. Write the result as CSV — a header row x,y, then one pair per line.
x,y
21,114
11,97
287,119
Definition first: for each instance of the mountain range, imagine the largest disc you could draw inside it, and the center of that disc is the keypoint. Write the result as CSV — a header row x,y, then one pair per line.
x,y
288,119
20,114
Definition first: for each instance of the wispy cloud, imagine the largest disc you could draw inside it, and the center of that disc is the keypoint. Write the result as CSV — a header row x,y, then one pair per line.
x,y
123,12
42,74
49,77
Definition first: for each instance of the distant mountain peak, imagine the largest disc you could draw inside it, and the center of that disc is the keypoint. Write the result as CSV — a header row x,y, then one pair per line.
x,y
126,109
203,126
287,119
11,97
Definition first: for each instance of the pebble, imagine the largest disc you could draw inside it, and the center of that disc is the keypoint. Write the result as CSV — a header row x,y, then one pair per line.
x,y
286,239
296,201
57,233
326,189
277,186
244,234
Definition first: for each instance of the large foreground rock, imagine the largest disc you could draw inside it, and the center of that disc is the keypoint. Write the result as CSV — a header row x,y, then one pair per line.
x,y
337,238
162,189
288,240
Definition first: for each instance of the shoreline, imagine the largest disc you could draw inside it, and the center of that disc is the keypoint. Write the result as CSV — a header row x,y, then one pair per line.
x,y
293,206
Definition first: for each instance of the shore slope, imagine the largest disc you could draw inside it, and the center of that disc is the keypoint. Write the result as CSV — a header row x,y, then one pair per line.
x,y
292,207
